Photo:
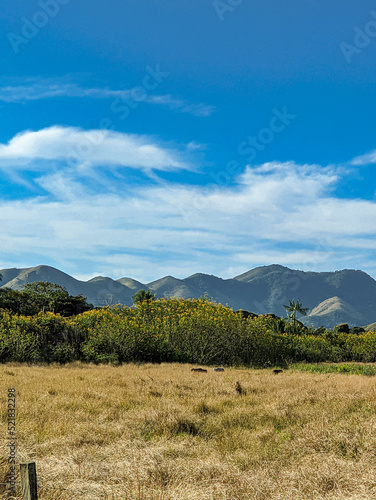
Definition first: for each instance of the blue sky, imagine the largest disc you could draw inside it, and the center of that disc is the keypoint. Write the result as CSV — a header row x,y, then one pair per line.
x,y
150,137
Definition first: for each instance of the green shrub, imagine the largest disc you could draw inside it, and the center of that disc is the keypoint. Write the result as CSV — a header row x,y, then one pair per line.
x,y
342,328
193,331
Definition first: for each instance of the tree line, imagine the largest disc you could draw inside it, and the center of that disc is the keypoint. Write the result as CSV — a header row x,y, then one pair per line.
x,y
41,296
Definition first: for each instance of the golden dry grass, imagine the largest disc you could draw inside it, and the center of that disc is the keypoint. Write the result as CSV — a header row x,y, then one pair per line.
x,y
162,432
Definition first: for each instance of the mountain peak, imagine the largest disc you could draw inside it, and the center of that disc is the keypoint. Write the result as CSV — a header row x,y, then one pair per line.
x,y
263,271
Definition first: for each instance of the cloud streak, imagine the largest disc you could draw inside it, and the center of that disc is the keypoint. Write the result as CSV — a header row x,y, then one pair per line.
x,y
37,89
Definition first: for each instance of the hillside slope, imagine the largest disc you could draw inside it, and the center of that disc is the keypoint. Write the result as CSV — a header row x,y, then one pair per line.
x,y
335,311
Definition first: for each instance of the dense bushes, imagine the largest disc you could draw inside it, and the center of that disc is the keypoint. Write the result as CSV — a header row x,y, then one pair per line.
x,y
194,331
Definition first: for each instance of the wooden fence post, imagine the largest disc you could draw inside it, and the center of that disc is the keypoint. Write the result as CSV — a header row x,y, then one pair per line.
x,y
28,481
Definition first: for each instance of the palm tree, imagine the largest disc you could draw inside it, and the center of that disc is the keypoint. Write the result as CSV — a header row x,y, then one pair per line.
x,y
141,296
293,308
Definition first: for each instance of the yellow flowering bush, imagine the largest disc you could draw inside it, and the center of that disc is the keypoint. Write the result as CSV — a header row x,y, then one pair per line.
x,y
194,331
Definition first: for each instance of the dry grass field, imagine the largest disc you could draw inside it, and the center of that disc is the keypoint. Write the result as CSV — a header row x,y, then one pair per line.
x,y
163,432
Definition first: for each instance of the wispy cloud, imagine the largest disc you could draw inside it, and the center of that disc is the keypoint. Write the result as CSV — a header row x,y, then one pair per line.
x,y
367,159
33,89
182,106
76,147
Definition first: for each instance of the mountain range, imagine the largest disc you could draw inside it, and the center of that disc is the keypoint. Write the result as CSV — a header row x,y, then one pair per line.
x,y
347,296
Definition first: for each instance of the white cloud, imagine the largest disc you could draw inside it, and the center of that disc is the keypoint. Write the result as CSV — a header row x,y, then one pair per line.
x,y
34,89
278,213
76,147
367,159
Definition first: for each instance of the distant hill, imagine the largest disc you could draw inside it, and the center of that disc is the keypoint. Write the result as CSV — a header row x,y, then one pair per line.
x,y
172,287
130,283
371,327
347,296
334,311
